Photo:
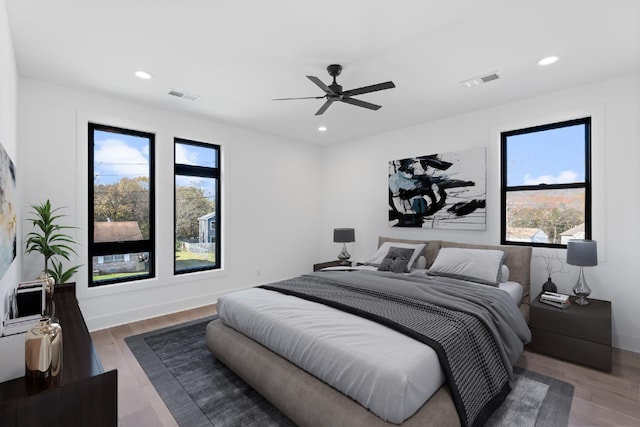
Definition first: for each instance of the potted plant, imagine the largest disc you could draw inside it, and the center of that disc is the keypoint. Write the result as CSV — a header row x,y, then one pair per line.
x,y
49,239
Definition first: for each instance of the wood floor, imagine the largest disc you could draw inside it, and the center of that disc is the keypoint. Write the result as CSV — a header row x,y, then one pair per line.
x,y
600,399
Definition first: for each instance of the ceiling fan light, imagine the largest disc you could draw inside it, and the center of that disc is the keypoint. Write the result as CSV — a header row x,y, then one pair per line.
x,y
322,128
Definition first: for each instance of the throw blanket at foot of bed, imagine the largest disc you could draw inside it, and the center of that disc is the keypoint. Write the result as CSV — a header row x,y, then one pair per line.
x,y
477,373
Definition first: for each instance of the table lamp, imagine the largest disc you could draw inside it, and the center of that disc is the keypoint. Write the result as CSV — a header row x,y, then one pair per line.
x,y
583,253
344,236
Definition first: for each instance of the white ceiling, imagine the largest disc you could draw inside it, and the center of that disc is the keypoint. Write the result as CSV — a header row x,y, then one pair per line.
x,y
237,55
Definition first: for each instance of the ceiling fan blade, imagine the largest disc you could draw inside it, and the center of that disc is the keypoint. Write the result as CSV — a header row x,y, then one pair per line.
x,y
367,89
304,97
324,107
321,85
359,103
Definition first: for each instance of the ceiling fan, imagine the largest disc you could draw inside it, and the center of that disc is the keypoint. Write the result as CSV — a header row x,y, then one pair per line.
x,y
334,91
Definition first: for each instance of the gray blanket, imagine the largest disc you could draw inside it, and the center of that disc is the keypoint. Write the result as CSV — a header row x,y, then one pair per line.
x,y
477,334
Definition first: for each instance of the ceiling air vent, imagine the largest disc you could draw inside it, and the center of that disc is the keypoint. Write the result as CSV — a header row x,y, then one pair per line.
x,y
476,81
187,96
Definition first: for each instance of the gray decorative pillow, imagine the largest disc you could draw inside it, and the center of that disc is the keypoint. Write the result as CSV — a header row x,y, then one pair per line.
x,y
396,260
382,251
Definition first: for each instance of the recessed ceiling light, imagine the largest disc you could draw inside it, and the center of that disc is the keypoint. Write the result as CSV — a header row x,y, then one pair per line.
x,y
548,60
322,128
142,75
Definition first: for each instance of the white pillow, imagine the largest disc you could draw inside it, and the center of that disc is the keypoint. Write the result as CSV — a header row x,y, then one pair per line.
x,y
476,265
377,258
503,277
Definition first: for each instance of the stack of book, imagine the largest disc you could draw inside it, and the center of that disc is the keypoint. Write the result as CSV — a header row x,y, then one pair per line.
x,y
26,307
20,324
555,299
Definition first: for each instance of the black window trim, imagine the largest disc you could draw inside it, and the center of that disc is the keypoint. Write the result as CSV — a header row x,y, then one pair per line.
x,y
112,248
203,172
587,185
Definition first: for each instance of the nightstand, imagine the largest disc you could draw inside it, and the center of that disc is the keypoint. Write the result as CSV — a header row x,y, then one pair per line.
x,y
579,333
336,263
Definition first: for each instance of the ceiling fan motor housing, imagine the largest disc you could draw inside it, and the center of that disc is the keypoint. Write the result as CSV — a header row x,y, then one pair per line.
x,y
336,88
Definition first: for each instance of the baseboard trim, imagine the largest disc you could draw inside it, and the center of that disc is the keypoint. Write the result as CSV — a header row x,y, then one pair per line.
x,y
142,313
626,342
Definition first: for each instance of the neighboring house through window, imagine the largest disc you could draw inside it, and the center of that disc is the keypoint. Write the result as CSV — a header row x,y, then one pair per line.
x,y
121,205
546,184
197,206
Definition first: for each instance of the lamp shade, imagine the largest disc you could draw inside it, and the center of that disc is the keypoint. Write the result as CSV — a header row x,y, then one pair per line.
x,y
344,235
582,252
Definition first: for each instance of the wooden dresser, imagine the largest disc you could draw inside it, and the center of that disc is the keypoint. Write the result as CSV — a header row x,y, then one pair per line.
x,y
579,333
87,396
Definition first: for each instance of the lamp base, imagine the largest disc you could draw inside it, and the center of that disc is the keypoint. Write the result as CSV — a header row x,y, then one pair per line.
x,y
581,289
344,256
581,300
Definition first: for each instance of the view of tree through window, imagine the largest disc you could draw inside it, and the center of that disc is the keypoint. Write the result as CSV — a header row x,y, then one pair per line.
x,y
121,195
546,185
197,210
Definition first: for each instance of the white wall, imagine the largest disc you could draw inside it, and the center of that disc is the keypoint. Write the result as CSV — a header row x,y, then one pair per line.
x,y
269,184
355,186
8,139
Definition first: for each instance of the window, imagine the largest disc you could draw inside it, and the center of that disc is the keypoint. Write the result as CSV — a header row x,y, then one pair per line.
x,y
197,206
121,204
114,258
546,184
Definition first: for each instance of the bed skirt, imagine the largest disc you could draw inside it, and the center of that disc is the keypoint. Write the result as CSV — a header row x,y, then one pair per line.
x,y
303,398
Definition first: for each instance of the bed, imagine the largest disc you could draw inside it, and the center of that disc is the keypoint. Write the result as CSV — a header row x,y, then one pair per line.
x,y
309,401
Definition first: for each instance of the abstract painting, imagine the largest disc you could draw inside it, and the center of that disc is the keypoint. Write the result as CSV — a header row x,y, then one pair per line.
x,y
8,226
444,191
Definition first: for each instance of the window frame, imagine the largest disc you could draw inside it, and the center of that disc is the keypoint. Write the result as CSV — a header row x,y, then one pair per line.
x,y
586,184
200,172
126,247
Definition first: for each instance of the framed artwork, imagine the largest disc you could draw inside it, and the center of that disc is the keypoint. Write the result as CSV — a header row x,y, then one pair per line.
x,y
8,226
444,191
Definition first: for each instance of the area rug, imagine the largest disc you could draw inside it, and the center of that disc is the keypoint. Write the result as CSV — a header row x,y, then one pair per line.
x,y
200,391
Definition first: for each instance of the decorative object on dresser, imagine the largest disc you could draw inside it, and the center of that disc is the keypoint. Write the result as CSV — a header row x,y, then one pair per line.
x,y
551,261
583,253
43,355
580,334
49,238
27,304
555,299
549,286
344,236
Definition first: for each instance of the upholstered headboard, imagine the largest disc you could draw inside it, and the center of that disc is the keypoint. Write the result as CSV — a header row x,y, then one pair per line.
x,y
517,258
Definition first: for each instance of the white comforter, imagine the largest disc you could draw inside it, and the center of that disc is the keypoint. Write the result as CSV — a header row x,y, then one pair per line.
x,y
388,373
